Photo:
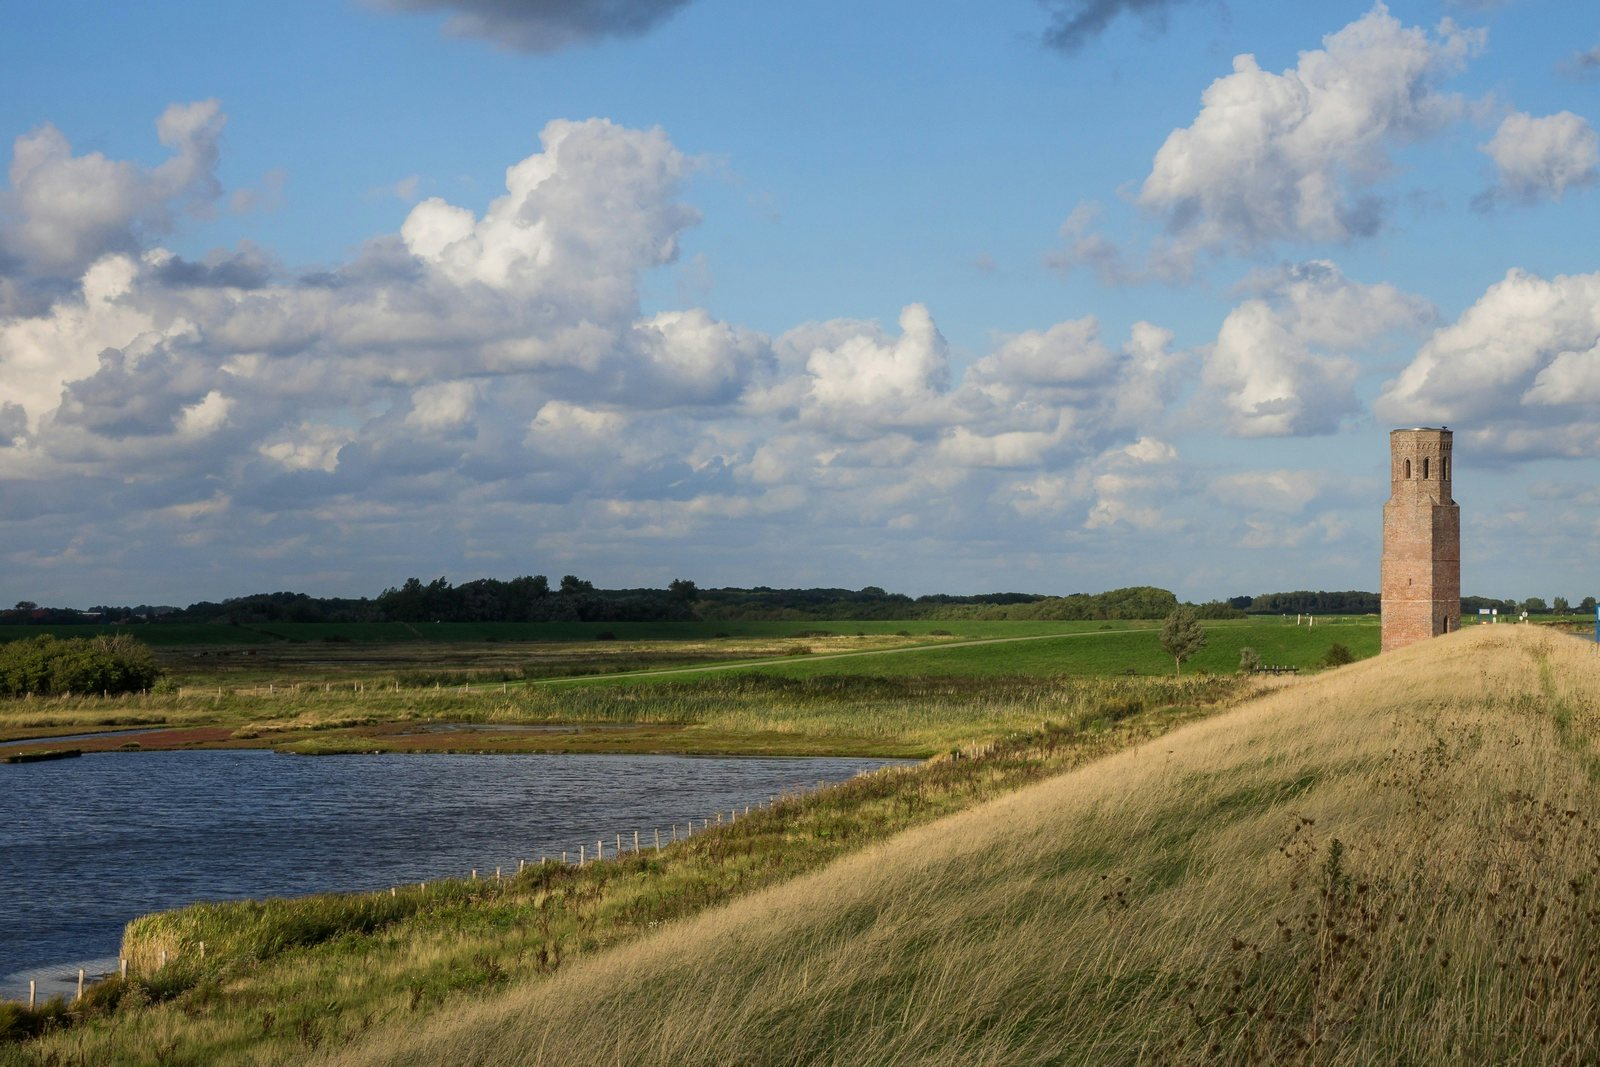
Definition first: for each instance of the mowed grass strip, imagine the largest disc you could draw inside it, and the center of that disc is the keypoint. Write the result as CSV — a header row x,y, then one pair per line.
x,y
1392,863
1109,651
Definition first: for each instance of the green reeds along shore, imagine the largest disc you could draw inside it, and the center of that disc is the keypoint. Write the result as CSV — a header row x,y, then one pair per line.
x,y
283,979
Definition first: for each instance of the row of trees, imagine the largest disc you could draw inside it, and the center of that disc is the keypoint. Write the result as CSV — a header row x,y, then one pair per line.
x,y
1359,602
533,598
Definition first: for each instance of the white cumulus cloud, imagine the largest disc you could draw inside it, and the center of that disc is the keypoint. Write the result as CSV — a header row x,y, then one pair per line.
x,y
1292,156
1542,158
63,211
1515,373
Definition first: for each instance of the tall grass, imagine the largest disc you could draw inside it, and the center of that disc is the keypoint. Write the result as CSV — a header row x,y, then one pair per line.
x,y
1398,862
281,979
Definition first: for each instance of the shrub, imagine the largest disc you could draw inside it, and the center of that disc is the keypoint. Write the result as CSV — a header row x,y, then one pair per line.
x,y
103,664
1249,660
1337,656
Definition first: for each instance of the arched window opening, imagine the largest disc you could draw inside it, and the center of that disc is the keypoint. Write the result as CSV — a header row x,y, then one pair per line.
x,y
1408,469
1424,468
1444,469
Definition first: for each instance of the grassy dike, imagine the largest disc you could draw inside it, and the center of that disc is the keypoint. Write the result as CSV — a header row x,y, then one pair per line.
x,y
1395,862
284,979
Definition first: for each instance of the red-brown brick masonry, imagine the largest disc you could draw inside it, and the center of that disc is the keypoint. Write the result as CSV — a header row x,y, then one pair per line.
x,y
1421,540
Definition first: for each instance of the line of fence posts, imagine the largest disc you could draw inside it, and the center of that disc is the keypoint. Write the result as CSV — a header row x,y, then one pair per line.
x,y
422,887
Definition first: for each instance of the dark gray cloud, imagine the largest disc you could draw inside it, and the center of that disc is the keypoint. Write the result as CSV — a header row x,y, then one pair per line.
x,y
231,272
544,25
1074,23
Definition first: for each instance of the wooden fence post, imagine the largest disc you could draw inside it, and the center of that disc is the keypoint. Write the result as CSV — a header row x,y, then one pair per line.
x,y
658,839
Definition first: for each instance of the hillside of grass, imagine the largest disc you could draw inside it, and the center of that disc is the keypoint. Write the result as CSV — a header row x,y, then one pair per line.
x,y
1394,862
279,979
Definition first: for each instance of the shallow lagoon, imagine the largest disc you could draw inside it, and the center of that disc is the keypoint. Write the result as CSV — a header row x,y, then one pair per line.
x,y
88,844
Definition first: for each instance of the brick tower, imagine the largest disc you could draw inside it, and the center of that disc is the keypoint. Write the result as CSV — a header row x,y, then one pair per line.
x,y
1421,540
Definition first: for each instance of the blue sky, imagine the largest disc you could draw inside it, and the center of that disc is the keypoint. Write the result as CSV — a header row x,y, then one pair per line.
x,y
1046,296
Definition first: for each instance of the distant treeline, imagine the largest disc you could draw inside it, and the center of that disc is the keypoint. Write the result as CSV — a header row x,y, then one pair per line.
x,y
1305,601
532,598
1358,602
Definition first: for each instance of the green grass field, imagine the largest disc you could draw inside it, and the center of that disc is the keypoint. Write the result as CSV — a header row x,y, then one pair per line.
x,y
817,695
168,635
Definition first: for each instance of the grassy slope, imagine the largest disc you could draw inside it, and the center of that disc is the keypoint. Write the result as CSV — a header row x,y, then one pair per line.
x,y
1395,862
281,978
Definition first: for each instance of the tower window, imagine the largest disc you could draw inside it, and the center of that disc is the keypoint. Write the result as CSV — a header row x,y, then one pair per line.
x,y
1424,467
1408,468
1444,468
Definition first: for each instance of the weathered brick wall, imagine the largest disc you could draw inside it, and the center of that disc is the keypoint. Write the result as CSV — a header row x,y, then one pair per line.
x,y
1421,577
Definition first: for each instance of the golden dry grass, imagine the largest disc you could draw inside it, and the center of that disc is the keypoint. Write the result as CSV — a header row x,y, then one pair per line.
x,y
1396,862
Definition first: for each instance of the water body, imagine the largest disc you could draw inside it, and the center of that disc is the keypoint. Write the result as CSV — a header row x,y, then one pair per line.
x,y
88,844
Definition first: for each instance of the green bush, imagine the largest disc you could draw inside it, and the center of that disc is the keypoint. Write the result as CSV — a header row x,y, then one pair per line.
x,y
1337,656
102,664
1249,660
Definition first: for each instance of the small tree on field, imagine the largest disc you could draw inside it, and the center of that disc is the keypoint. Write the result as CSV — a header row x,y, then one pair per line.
x,y
1249,660
1181,635
1337,656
